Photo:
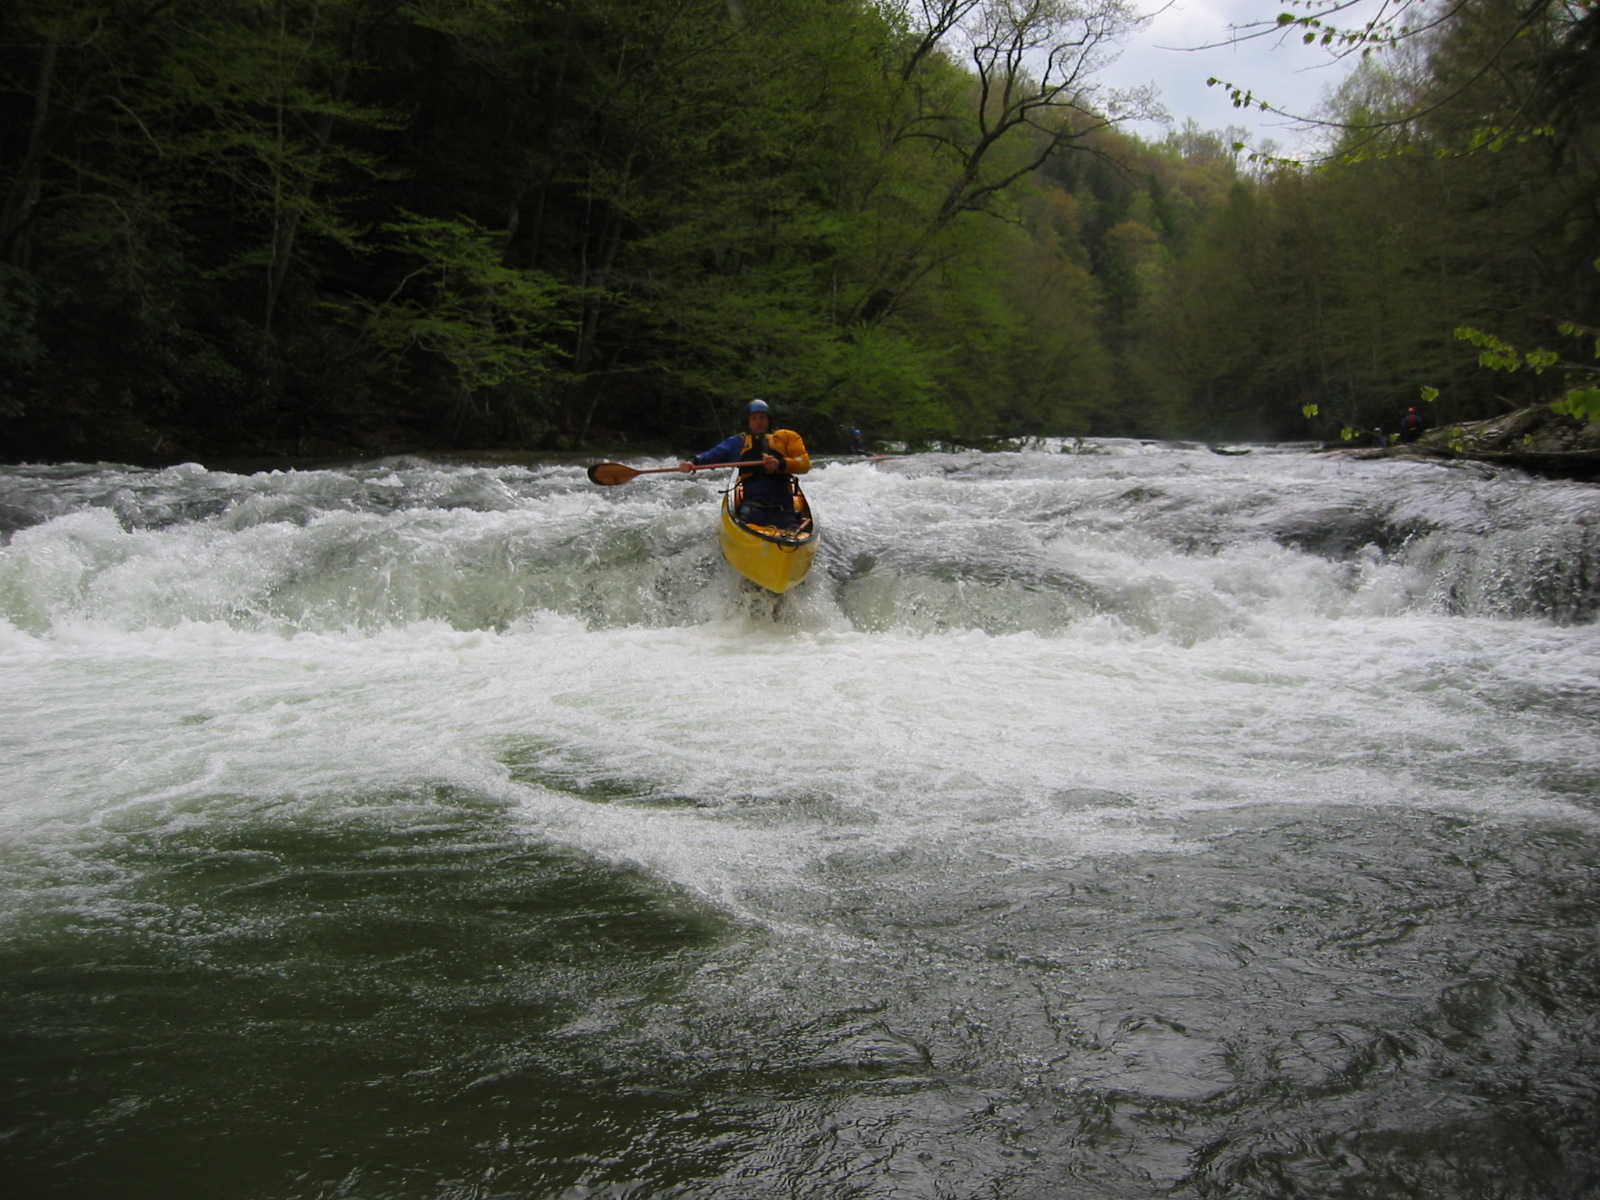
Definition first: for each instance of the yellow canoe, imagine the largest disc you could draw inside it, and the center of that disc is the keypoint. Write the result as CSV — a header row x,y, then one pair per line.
x,y
769,557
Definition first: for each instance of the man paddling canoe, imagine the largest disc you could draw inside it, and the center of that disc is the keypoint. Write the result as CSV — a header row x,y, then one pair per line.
x,y
781,452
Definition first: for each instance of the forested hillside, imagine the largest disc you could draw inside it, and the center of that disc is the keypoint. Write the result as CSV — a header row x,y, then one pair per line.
x,y
238,227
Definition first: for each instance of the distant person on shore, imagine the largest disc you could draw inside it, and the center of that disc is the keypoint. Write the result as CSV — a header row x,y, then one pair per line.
x,y
858,444
782,453
1411,425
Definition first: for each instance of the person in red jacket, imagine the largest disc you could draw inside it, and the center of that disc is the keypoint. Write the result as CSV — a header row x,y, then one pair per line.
x,y
1411,425
781,452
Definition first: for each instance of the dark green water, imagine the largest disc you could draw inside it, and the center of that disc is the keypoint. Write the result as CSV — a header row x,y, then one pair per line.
x,y
422,1003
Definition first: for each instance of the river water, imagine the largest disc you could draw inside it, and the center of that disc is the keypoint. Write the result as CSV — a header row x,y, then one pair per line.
x,y
1146,822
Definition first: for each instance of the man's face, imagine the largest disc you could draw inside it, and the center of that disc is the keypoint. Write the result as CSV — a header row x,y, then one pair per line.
x,y
760,422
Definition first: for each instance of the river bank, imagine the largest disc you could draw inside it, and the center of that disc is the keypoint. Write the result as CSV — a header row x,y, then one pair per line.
x,y
1536,439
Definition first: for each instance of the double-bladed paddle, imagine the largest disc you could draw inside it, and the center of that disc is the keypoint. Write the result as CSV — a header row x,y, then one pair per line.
x,y
609,474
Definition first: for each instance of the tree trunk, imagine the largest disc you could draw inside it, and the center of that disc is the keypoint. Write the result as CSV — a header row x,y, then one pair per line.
x,y
28,186
286,224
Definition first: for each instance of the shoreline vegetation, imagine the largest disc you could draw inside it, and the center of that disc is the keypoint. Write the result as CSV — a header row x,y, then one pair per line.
x,y
350,228
1537,439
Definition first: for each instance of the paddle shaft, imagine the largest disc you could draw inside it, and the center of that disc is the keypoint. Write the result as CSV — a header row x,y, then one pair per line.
x,y
703,467
608,474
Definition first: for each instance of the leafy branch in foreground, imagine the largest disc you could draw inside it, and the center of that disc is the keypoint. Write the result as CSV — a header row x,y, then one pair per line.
x,y
1582,401
1397,26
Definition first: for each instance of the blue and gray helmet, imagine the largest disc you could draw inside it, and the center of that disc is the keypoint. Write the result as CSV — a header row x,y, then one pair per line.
x,y
756,406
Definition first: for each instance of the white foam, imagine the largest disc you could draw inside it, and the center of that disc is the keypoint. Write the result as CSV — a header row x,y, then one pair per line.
x,y
1083,688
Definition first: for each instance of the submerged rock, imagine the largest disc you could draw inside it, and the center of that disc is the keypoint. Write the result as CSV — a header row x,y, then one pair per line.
x,y
875,1049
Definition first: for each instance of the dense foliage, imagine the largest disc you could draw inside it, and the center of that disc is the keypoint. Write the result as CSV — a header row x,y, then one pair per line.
x,y
322,226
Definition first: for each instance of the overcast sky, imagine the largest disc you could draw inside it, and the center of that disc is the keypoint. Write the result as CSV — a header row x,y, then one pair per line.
x,y
1280,69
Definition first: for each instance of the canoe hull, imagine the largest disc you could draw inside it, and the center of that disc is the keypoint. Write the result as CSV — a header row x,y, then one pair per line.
x,y
770,558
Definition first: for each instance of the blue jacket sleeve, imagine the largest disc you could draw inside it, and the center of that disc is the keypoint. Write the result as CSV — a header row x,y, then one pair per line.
x,y
726,450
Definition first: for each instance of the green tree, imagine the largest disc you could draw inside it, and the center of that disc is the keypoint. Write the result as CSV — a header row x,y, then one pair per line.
x,y
473,327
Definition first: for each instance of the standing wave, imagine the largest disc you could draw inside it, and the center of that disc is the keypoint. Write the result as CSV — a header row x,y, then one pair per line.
x,y
1172,543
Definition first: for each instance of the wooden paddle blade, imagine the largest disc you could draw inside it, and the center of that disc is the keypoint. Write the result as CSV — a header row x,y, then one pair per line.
x,y
609,474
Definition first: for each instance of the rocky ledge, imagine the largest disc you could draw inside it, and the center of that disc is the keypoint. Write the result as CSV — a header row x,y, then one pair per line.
x,y
1538,440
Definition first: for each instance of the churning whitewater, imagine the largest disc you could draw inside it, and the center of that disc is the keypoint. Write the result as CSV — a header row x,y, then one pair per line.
x,y
1110,824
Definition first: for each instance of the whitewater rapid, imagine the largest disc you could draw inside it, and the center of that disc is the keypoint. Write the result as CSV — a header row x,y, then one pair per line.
x,y
1008,676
